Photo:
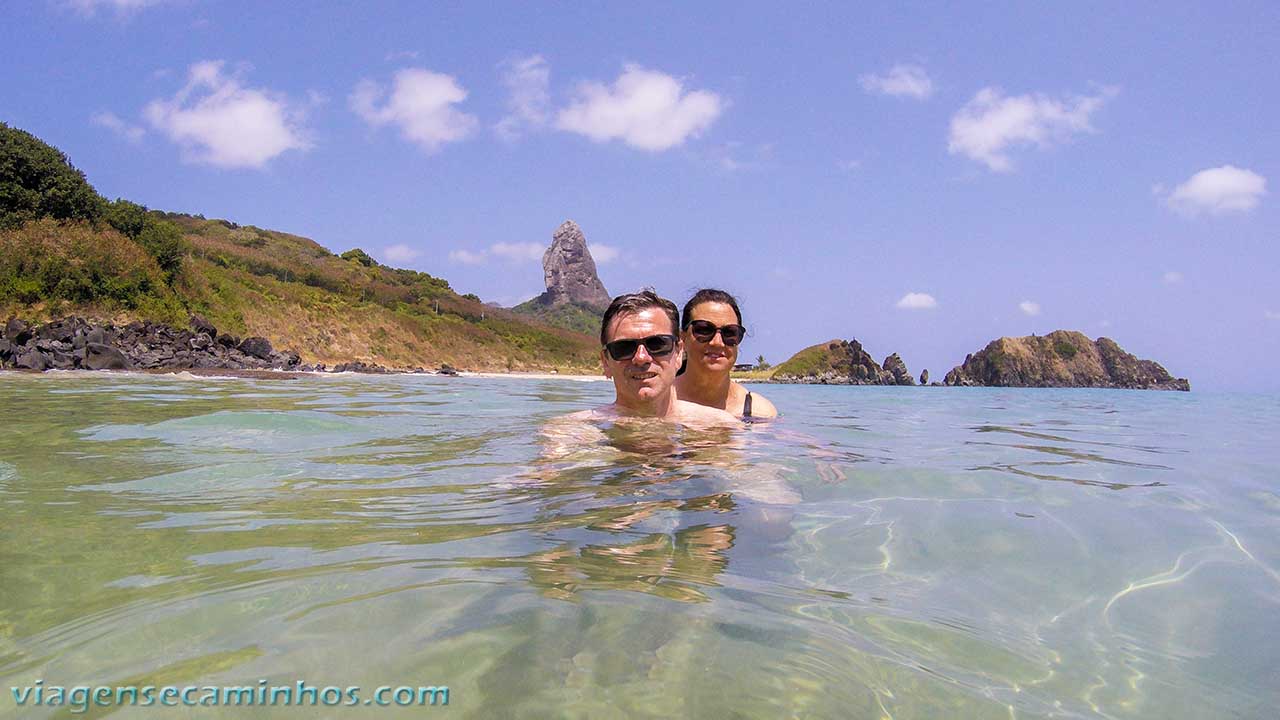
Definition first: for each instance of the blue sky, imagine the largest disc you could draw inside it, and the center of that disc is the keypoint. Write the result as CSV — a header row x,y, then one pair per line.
x,y
924,177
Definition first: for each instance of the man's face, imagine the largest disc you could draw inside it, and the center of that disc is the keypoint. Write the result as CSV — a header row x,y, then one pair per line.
x,y
643,379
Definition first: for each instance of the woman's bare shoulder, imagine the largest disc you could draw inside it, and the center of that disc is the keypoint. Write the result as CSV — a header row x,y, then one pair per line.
x,y
761,407
693,413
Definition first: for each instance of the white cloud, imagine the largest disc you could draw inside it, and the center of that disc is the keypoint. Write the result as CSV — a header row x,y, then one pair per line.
x,y
603,254
645,109
466,257
421,104
991,124
1172,277
219,122
901,81
1029,307
128,131
400,253
518,251
917,301
1219,190
528,80
89,8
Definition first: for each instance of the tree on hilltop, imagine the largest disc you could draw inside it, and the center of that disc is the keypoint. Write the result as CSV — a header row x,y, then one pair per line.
x,y
37,180
360,256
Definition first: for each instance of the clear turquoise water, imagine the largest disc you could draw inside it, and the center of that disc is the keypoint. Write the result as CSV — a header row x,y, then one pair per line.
x,y
905,553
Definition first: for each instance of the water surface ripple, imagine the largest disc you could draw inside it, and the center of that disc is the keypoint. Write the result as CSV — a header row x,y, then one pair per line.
x,y
903,553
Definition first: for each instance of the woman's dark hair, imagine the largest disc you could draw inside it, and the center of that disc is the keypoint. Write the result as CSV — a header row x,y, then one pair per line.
x,y
708,295
634,303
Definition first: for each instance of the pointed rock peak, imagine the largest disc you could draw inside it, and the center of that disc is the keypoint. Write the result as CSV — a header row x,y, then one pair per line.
x,y
570,271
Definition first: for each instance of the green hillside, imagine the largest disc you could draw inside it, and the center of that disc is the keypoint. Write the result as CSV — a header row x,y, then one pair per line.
x,y
66,251
570,316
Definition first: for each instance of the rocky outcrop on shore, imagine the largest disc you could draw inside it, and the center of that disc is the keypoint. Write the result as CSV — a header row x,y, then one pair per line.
x,y
841,362
77,344
570,272
575,299
1062,358
897,370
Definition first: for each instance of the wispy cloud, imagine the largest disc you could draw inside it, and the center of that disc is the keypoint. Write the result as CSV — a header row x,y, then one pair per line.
x,y
128,131
734,156
1172,277
528,83
402,55
400,253
991,124
917,301
1029,307
910,81
504,251
89,8
219,122
516,252
421,103
1218,191
1271,315
604,254
645,109
466,257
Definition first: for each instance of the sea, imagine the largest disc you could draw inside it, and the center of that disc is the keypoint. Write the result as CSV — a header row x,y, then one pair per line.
x,y
874,553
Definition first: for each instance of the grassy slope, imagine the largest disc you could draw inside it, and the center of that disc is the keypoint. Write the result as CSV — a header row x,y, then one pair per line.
x,y
813,360
300,296
571,316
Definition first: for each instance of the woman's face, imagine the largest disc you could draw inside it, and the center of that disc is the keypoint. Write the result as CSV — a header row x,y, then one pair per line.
x,y
714,355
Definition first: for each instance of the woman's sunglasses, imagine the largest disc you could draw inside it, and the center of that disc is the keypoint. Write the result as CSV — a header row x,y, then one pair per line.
x,y
704,331
657,346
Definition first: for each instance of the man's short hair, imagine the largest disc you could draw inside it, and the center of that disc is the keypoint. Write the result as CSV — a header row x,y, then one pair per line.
x,y
635,302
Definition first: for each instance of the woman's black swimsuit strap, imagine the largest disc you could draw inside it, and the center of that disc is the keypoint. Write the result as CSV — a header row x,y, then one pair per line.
x,y
746,406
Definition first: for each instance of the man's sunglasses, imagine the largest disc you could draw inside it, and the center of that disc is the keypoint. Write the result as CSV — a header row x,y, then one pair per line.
x,y
704,331
657,346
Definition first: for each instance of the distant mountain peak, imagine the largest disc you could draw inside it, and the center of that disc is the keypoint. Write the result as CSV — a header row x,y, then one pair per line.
x,y
570,272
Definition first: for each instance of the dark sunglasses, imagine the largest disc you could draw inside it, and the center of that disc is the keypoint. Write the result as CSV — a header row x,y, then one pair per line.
x,y
704,331
657,346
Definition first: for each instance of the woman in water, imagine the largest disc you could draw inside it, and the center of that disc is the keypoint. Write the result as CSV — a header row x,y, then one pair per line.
x,y
711,327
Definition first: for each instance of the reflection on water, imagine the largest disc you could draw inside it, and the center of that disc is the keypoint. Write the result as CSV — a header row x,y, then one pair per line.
x,y
878,553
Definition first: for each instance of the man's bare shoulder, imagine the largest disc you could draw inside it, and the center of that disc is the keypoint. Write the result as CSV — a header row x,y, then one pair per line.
x,y
695,414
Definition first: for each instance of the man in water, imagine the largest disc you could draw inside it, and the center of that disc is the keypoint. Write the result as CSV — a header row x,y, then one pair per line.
x,y
641,352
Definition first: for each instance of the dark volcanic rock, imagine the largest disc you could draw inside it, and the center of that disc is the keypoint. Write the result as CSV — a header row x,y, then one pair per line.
x,y
570,271
898,370
447,369
359,367
257,347
924,377
105,357
33,360
1062,358
200,325
17,332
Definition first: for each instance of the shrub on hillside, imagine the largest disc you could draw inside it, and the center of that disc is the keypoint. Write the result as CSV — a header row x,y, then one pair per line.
x,y
360,256
48,260
158,236
37,180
